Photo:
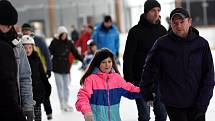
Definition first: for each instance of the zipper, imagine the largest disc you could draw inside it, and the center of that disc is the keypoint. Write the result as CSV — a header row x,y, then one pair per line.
x,y
108,93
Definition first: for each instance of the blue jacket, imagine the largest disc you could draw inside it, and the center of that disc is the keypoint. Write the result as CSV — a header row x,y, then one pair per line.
x,y
106,38
184,68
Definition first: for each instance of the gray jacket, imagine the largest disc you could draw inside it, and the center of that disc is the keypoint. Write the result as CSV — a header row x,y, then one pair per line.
x,y
24,78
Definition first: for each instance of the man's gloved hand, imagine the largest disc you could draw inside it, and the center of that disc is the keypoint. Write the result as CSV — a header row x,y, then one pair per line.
x,y
150,103
198,115
48,74
150,100
29,115
88,116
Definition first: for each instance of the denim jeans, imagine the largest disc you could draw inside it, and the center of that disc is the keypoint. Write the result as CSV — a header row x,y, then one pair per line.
x,y
143,110
62,83
158,108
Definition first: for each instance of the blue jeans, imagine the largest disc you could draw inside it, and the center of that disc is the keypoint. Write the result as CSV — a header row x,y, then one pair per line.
x,y
158,108
62,83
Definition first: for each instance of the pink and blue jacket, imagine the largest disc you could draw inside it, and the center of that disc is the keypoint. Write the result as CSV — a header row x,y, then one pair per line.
x,y
101,95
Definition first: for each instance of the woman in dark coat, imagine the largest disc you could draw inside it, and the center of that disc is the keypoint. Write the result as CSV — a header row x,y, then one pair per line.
x,y
60,48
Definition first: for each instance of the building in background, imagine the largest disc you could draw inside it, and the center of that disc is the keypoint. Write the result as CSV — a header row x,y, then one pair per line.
x,y
47,15
134,8
200,10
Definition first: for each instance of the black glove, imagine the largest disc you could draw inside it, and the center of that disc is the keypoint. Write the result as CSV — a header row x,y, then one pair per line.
x,y
29,115
147,93
117,54
198,115
48,74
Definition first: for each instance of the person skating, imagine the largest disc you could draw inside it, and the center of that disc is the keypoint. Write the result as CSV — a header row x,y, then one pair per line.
x,y
184,66
102,89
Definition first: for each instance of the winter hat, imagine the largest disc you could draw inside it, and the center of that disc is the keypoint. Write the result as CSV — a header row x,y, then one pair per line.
x,y
90,42
149,4
27,27
181,12
8,14
26,39
107,18
62,29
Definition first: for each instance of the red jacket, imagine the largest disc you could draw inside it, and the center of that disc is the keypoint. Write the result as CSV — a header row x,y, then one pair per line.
x,y
82,42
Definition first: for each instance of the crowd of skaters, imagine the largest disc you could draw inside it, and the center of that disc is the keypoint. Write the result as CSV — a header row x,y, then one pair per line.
x,y
157,64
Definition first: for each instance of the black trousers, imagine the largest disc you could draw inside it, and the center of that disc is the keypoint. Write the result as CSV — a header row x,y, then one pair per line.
x,y
47,106
11,113
185,114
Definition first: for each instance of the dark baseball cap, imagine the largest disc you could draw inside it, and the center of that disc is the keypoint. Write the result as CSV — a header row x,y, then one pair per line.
x,y
181,12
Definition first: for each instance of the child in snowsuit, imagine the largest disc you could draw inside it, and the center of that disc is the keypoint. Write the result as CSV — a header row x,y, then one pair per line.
x,y
40,84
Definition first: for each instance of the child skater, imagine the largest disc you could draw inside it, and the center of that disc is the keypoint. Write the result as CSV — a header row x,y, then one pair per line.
x,y
90,54
102,88
41,86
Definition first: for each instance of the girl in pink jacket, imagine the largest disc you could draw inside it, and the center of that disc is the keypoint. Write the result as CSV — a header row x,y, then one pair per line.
x,y
102,88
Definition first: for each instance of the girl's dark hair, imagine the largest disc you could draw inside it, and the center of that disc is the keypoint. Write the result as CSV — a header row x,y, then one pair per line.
x,y
99,56
60,36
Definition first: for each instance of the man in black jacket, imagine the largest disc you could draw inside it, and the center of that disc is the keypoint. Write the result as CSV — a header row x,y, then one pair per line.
x,y
9,103
140,39
10,109
183,62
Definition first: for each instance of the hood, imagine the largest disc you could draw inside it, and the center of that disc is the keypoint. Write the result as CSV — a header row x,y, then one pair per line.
x,y
144,22
193,33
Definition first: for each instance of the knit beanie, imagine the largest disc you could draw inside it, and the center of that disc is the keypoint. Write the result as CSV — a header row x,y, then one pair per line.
x,y
62,29
149,4
8,14
107,18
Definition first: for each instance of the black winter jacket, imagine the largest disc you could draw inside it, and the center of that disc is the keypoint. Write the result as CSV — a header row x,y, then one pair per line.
x,y
140,39
60,51
41,86
185,69
9,104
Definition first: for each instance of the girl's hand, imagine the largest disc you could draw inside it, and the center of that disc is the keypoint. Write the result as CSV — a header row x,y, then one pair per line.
x,y
88,116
